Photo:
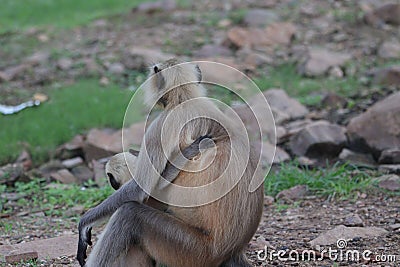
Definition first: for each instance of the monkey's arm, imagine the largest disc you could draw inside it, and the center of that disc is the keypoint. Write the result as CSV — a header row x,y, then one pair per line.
x,y
129,192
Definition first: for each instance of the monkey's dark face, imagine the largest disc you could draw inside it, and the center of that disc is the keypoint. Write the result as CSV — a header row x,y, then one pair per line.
x,y
114,184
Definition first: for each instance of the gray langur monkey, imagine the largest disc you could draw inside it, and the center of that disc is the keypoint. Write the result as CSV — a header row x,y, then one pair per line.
x,y
209,235
119,174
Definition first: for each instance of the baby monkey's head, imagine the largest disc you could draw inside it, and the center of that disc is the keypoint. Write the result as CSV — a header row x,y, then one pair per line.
x,y
172,82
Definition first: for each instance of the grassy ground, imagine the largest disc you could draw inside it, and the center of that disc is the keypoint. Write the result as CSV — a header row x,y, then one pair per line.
x,y
71,110
20,14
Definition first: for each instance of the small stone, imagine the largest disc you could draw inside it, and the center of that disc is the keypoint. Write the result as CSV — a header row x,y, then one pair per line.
x,y
212,50
306,162
104,81
389,182
346,233
44,38
64,176
21,256
319,139
51,167
25,159
116,68
336,72
395,226
358,159
82,173
268,200
281,103
71,163
389,168
333,101
378,128
390,156
387,75
387,13
260,17
50,248
389,49
99,173
38,58
11,173
156,6
353,220
269,157
295,193
321,60
64,63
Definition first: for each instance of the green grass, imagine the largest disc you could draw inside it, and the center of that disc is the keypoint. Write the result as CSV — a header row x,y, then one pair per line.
x,y
70,110
17,14
303,88
336,181
55,200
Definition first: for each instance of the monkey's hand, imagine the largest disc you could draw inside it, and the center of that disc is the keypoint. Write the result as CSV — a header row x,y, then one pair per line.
x,y
85,239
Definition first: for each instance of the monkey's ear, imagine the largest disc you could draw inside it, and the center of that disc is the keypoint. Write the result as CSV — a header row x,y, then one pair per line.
x,y
134,152
199,75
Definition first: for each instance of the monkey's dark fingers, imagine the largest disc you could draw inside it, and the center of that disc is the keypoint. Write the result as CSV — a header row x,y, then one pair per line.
x,y
85,239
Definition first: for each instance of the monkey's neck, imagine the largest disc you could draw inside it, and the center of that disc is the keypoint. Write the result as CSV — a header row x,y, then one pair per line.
x,y
179,95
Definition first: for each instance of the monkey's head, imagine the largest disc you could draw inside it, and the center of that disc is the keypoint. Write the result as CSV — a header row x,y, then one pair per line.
x,y
117,169
172,82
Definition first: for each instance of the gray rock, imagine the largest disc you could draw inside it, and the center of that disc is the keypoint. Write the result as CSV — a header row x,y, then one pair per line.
x,y
12,73
333,101
260,17
51,167
71,163
82,173
50,248
390,156
268,156
295,193
156,6
38,58
116,68
387,75
389,182
319,139
102,143
11,173
353,220
276,34
388,13
321,60
64,63
285,107
212,50
390,168
389,49
359,159
378,128
64,177
268,200
346,233
19,256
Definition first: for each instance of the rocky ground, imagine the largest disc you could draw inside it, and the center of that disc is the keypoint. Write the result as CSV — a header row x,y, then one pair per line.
x,y
323,40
